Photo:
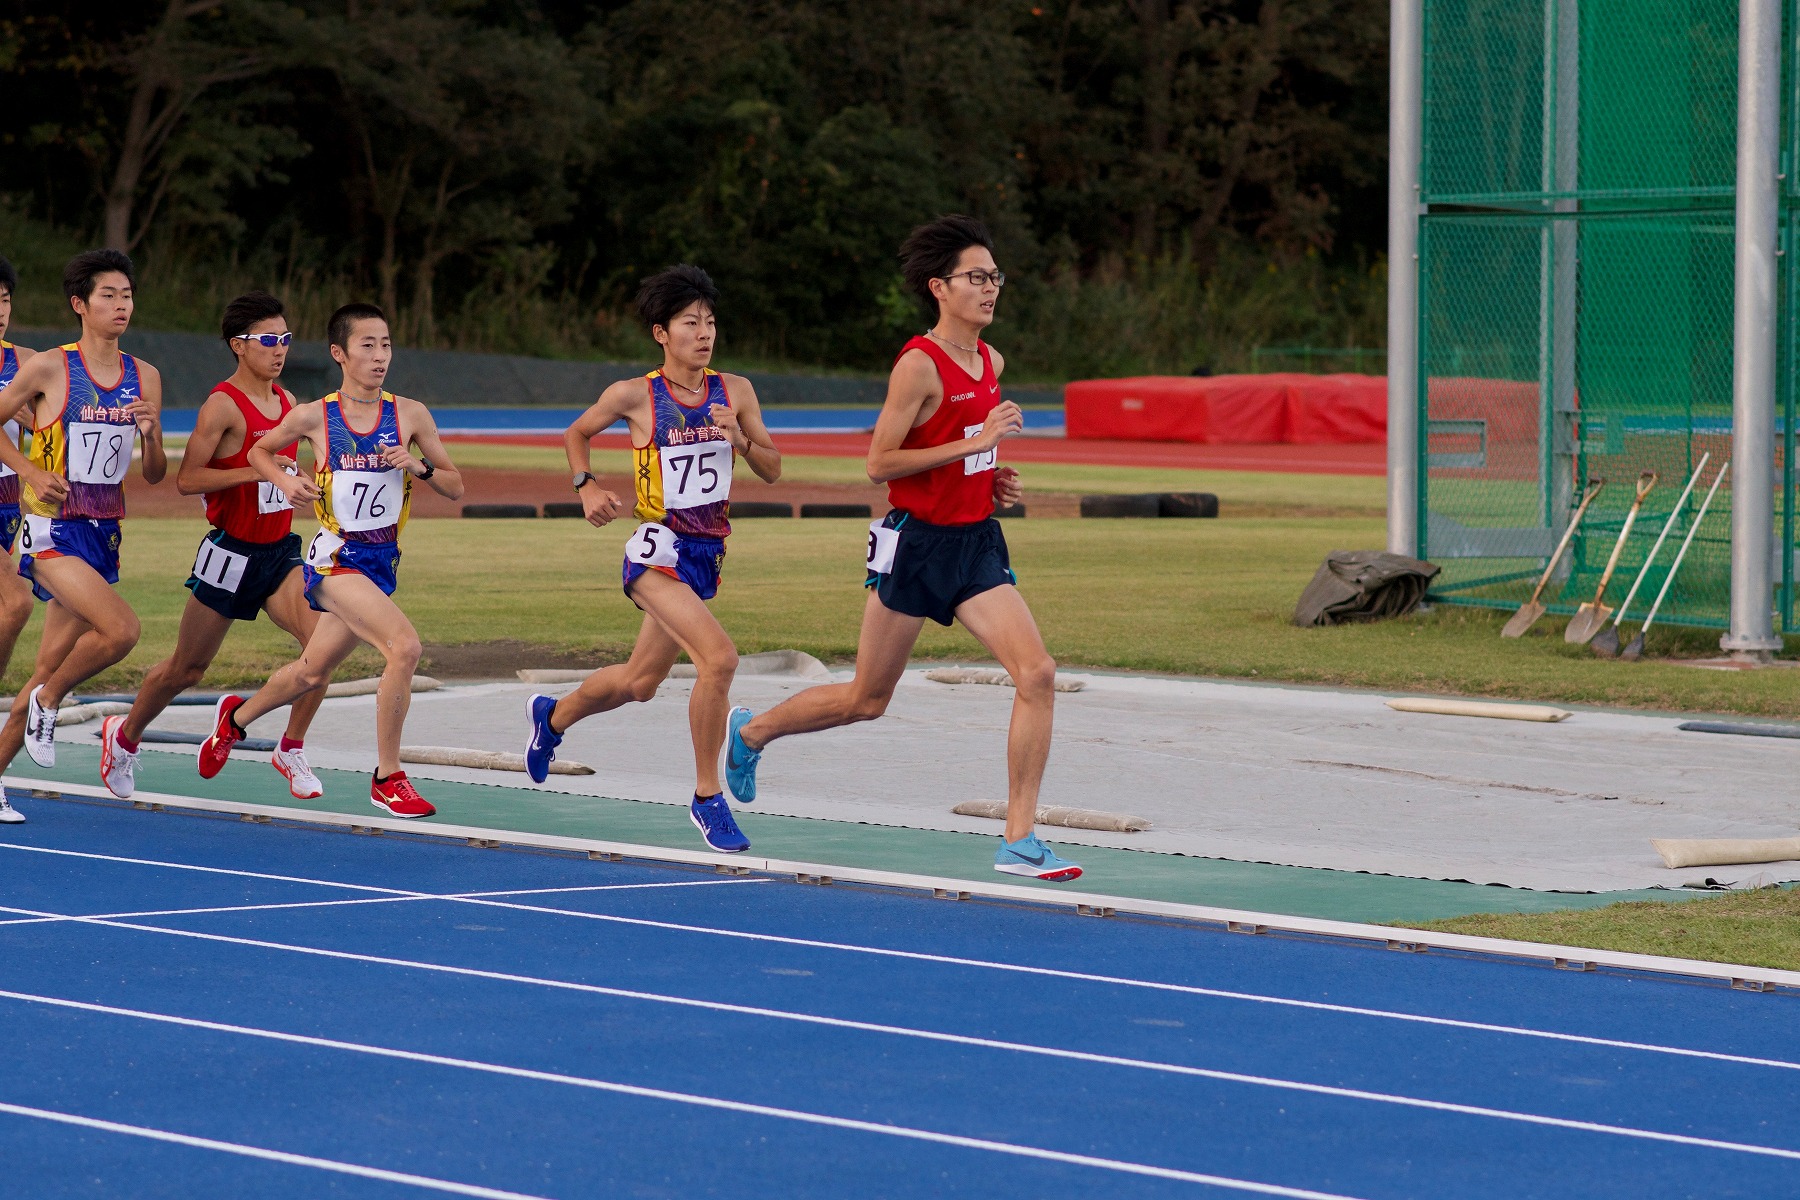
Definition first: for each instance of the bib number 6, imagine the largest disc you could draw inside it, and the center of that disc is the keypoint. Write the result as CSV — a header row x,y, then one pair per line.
x,y
652,545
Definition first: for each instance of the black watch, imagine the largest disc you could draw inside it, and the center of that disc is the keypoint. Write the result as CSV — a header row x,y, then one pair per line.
x,y
429,469
583,479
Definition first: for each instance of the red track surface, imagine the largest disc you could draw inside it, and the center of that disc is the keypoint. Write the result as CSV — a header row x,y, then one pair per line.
x,y
1304,460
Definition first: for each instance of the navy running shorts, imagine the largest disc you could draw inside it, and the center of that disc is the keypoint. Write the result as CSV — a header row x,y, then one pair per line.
x,y
937,567
699,563
235,578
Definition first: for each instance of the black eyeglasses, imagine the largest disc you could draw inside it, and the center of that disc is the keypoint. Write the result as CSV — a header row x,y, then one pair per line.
x,y
981,278
270,340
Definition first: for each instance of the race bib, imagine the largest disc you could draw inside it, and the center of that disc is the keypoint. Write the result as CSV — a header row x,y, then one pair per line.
x,y
222,568
696,475
10,431
99,453
652,545
975,464
363,500
319,551
34,535
883,542
271,499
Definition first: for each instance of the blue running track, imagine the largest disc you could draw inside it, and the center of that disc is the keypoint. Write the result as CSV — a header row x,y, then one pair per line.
x,y
194,1007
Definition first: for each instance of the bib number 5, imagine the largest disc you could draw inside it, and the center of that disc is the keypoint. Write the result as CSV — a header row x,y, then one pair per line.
x,y
652,545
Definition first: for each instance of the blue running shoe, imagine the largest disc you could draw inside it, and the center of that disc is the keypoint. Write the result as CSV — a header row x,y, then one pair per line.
x,y
740,760
1032,858
712,817
540,751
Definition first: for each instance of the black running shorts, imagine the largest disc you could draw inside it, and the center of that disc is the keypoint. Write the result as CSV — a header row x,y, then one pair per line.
x,y
235,578
937,567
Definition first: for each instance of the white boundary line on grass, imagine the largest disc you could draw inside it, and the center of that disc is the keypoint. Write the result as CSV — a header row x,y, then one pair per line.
x,y
1081,1056
1735,974
920,956
279,1156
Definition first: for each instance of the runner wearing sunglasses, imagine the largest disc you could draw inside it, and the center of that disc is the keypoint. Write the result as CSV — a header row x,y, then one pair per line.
x,y
249,562
940,553
361,437
73,492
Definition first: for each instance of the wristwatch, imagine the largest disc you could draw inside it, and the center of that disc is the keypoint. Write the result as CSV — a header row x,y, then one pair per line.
x,y
429,469
583,479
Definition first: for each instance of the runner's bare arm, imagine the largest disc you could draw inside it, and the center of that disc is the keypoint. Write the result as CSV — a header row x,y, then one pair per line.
x,y
218,417
1008,489
17,400
913,382
743,424
302,421
146,410
620,400
445,479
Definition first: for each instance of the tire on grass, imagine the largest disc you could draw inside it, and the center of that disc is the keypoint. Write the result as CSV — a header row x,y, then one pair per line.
x,y
1148,504
1188,504
760,508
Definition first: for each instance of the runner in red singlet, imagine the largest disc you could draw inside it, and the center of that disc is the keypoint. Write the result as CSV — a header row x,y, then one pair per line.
x,y
939,553
249,562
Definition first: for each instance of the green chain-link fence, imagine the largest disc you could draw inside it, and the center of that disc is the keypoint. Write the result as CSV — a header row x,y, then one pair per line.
x,y
1576,294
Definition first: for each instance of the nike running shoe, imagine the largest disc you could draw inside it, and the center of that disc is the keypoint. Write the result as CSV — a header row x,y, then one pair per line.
x,y
302,783
118,766
712,817
540,751
10,815
1032,858
397,795
740,760
40,730
215,751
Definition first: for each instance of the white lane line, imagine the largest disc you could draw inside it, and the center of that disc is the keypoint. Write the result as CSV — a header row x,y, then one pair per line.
x,y
279,1156
625,1089
1014,968
1279,1084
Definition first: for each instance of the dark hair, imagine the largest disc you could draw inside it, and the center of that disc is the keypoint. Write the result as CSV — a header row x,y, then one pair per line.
x,y
9,276
79,275
246,311
930,251
670,290
337,330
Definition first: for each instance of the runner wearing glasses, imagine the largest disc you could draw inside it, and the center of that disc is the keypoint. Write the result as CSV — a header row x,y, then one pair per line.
x,y
361,437
249,562
689,425
940,553
73,492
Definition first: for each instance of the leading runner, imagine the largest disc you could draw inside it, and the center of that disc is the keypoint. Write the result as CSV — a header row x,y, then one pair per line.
x,y
939,553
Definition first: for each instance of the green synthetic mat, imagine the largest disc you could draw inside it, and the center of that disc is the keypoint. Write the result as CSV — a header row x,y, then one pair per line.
x,y
1259,887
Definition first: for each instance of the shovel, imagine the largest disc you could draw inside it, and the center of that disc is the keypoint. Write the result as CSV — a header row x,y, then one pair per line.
x,y
1606,642
1532,609
1590,618
1635,650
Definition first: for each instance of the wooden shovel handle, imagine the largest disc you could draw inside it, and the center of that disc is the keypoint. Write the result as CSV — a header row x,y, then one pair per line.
x,y
1567,537
1645,482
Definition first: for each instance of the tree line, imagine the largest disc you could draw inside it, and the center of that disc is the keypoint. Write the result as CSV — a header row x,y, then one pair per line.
x,y
500,173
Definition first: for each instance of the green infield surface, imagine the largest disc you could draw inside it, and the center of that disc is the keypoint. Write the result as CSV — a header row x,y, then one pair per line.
x,y
1210,598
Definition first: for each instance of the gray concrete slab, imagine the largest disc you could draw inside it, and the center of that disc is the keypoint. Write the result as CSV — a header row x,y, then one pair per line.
x,y
1294,776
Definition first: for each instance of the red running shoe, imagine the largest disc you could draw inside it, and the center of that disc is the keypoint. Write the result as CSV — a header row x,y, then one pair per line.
x,y
398,796
215,750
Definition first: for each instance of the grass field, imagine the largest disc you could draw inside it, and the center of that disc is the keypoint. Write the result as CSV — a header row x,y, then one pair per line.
x,y
1187,597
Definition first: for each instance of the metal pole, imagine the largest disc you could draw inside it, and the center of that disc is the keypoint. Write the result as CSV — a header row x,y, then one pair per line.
x,y
1753,371
1559,276
1405,125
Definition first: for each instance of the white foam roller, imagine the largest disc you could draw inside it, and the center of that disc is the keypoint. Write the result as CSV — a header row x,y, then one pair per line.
x,y
993,677
367,687
1478,708
1067,818
1724,852
482,760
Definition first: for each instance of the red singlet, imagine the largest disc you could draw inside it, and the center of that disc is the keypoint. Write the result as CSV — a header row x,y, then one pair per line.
x,y
962,492
251,512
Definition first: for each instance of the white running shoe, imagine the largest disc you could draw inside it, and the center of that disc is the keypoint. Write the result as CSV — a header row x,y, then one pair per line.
x,y
40,731
118,766
302,783
8,814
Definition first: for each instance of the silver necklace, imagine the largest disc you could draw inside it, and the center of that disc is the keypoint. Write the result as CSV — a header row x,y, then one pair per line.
x,y
975,349
696,390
